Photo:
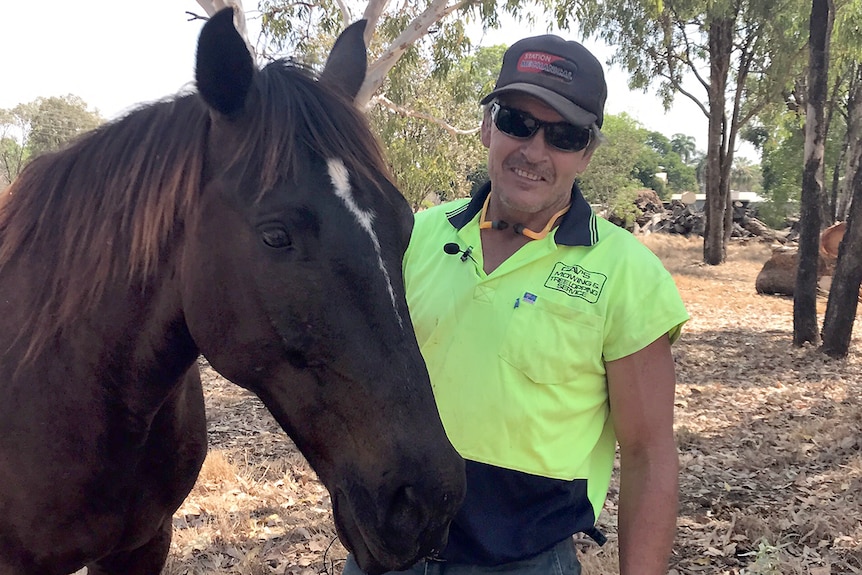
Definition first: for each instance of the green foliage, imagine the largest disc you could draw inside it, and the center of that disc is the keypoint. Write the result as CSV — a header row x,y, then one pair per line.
x,y
745,176
428,114
767,559
57,120
684,146
660,167
43,125
658,142
632,159
427,155
425,159
297,28
623,206
430,98
647,167
681,177
782,169
780,135
11,160
611,170
847,31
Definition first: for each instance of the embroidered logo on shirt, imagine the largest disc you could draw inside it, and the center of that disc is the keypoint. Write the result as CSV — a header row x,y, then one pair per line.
x,y
577,282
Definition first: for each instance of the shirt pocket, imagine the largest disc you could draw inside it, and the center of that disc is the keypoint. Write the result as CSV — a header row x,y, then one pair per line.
x,y
552,343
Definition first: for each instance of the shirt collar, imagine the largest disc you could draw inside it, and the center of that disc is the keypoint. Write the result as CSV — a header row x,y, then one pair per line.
x,y
577,228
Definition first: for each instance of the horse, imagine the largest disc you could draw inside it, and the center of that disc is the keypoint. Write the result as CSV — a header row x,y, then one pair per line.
x,y
253,221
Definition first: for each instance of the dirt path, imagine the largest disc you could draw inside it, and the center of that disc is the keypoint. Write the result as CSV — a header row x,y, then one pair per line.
x,y
769,439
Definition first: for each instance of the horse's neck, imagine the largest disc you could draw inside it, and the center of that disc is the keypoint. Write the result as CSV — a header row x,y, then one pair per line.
x,y
142,338
133,339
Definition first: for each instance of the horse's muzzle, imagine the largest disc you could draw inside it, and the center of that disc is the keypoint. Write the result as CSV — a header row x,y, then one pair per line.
x,y
411,528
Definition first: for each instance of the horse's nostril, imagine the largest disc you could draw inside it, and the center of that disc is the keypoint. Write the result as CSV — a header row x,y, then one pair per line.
x,y
407,515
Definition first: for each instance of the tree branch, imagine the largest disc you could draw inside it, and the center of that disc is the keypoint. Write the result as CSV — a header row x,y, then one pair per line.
x,y
689,61
372,13
676,84
392,106
436,11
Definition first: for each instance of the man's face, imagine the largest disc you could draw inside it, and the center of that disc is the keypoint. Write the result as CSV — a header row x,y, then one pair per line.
x,y
531,179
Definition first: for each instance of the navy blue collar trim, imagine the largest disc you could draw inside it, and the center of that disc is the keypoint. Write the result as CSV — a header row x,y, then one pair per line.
x,y
578,227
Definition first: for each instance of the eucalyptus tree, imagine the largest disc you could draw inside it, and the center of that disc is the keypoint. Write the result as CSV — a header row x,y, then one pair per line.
x,y
842,304
56,120
805,292
424,77
43,125
729,57
846,165
843,294
417,119
847,56
437,27
12,153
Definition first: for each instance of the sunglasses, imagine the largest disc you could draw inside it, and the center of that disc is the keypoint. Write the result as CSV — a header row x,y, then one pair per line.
x,y
518,124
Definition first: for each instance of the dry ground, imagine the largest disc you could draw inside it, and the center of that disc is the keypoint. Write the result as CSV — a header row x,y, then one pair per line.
x,y
769,440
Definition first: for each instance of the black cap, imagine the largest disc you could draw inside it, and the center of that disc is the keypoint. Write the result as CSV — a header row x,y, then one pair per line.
x,y
561,73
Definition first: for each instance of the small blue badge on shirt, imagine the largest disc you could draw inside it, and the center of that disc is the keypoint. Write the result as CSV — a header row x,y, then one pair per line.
x,y
529,297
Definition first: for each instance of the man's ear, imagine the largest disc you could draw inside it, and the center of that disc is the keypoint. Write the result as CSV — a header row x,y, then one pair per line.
x,y
486,129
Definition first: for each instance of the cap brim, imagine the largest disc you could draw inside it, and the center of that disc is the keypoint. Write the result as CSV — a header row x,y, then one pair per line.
x,y
571,112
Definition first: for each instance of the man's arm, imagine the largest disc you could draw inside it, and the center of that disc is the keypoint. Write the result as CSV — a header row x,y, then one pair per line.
x,y
641,390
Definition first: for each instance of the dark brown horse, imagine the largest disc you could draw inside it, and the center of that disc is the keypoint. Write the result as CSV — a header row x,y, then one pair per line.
x,y
254,223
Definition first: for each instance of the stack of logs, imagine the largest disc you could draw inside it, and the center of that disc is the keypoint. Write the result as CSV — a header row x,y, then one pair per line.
x,y
778,275
676,217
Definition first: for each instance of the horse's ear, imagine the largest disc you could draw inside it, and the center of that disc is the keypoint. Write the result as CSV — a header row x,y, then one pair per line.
x,y
347,62
224,69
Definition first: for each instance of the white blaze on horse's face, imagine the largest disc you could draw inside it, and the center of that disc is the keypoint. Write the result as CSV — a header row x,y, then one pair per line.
x,y
341,183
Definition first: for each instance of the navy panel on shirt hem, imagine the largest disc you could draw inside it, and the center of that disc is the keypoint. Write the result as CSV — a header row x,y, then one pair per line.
x,y
510,515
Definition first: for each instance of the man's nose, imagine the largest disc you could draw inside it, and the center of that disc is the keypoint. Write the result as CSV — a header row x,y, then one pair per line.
x,y
534,148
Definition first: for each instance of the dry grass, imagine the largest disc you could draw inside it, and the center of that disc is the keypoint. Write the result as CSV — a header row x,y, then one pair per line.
x,y
770,450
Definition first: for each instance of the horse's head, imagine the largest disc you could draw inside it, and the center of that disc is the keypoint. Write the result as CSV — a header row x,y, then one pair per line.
x,y
293,289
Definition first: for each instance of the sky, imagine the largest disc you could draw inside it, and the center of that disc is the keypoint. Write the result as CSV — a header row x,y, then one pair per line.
x,y
116,54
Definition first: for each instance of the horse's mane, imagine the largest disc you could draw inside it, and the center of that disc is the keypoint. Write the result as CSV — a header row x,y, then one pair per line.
x,y
109,206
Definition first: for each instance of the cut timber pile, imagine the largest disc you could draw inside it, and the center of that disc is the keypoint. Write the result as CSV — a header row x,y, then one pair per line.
x,y
677,217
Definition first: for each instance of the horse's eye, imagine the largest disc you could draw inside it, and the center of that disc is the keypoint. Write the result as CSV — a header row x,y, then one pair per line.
x,y
276,237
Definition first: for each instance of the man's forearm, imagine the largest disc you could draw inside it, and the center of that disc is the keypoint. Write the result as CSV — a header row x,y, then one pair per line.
x,y
649,498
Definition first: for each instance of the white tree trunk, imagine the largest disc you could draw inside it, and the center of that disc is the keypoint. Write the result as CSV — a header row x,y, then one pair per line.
x,y
854,139
436,11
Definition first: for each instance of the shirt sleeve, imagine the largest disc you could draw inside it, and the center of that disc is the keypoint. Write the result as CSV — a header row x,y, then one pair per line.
x,y
645,305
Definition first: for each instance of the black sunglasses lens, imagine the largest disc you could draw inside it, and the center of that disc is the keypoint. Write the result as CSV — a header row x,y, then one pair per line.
x,y
567,137
515,123
561,135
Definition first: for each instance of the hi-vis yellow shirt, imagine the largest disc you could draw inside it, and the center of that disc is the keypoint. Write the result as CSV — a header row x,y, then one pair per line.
x,y
516,358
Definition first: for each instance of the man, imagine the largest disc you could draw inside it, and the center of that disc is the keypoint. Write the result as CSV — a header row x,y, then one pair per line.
x,y
547,334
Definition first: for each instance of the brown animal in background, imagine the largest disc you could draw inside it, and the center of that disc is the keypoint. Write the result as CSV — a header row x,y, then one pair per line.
x,y
778,275
830,239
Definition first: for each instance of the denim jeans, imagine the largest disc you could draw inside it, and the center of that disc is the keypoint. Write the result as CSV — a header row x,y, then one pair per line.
x,y
562,559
